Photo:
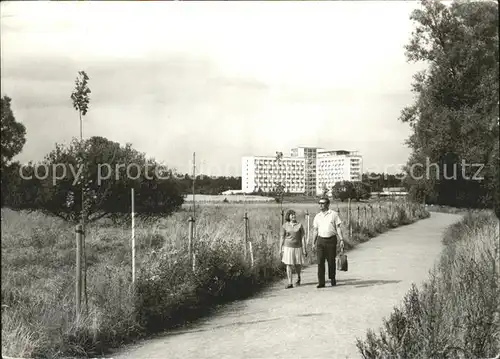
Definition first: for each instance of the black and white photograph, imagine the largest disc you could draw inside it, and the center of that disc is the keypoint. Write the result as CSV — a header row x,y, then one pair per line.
x,y
250,179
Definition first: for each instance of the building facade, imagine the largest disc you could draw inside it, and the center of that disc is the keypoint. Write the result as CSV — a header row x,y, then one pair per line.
x,y
264,173
310,155
337,166
307,170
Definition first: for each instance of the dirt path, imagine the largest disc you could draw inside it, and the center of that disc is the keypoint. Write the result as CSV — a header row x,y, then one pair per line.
x,y
306,322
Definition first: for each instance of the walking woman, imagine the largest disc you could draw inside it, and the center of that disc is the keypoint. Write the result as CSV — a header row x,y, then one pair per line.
x,y
293,247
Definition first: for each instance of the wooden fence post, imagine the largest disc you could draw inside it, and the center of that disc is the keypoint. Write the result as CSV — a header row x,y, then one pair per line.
x,y
78,285
349,228
251,253
266,252
190,242
359,224
245,219
372,219
308,224
349,212
133,235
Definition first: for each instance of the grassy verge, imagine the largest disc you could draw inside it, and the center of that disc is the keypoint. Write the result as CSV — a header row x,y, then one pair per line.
x,y
456,314
453,210
38,274
378,219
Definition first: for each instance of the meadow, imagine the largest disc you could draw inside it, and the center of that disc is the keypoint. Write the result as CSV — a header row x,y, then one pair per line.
x,y
234,198
456,313
38,272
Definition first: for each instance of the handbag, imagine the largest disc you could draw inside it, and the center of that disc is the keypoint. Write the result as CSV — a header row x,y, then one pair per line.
x,y
342,264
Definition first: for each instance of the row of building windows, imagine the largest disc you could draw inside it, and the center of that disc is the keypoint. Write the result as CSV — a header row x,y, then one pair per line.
x,y
274,162
271,188
276,171
304,171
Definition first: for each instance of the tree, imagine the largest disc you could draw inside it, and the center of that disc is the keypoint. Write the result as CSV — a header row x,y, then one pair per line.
x,y
279,191
324,190
280,188
80,96
112,171
13,136
13,140
343,190
351,190
378,181
81,100
361,190
207,184
454,119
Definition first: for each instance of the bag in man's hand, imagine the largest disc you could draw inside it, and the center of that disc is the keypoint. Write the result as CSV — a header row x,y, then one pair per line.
x,y
342,264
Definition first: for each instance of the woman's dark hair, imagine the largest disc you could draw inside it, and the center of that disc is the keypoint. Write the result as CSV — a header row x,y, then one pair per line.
x,y
288,214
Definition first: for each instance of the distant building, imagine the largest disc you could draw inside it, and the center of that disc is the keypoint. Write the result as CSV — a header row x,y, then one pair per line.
x,y
308,170
336,166
232,191
393,189
263,173
310,156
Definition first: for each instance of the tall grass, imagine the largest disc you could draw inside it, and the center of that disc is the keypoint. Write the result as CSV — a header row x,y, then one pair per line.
x,y
38,274
373,219
456,314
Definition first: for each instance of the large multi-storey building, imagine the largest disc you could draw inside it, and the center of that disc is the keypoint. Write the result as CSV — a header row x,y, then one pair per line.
x,y
308,170
264,173
309,154
337,166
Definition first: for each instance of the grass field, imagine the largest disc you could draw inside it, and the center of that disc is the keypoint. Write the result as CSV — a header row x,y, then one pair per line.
x,y
234,198
456,314
38,272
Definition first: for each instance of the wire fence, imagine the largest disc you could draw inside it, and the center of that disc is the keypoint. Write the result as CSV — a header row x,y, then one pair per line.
x,y
357,221
258,242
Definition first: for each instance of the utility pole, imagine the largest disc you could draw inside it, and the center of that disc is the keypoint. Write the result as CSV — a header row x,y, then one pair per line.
x,y
194,179
192,231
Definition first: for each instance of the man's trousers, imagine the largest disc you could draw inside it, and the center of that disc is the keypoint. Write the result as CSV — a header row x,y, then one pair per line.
x,y
326,250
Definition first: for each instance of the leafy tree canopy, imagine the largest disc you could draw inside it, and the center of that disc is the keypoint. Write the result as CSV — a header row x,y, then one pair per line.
x,y
13,136
108,172
455,119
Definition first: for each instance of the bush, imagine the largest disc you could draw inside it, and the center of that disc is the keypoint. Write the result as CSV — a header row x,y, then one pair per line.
x,y
170,294
456,314
106,194
38,281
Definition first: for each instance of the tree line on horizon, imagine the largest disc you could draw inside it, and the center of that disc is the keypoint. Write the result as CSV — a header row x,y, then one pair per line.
x,y
159,190
56,195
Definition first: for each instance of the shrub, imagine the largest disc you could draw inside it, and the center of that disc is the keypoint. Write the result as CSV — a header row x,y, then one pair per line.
x,y
38,282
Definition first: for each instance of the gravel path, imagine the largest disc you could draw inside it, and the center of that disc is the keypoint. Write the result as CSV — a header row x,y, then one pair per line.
x,y
305,322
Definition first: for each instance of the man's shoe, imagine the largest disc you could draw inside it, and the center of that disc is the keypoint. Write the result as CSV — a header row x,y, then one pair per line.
x,y
320,286
334,282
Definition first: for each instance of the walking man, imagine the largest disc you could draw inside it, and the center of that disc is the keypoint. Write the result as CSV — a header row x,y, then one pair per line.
x,y
326,226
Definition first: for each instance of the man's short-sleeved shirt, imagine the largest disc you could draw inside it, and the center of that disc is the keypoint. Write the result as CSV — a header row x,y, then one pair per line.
x,y
326,223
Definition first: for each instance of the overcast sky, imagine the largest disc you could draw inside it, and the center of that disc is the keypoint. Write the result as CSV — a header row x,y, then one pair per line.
x,y
222,79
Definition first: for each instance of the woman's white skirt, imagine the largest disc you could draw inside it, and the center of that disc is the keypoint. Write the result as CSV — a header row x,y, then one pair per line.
x,y
292,256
